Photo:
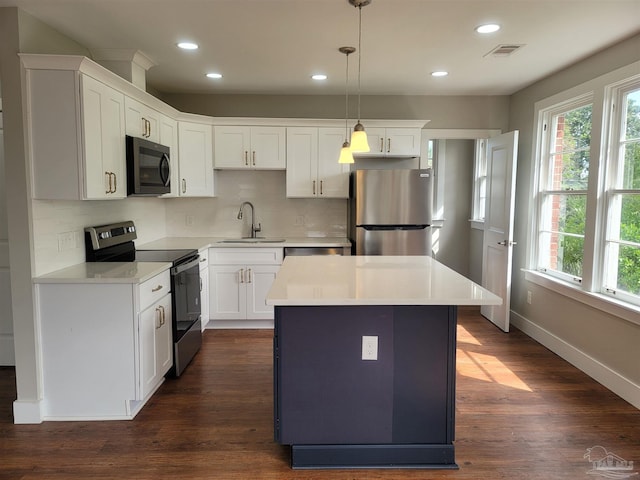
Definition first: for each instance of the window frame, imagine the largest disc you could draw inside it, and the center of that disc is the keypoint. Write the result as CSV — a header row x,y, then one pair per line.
x,y
589,291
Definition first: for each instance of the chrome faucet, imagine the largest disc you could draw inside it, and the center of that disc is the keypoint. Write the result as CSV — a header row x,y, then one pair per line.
x,y
254,229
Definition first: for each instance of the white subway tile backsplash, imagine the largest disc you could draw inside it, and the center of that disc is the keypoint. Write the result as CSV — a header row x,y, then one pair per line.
x,y
51,218
199,217
266,190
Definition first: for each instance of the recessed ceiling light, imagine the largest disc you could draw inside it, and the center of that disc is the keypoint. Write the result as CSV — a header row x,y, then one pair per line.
x,y
188,45
214,75
488,28
439,73
319,76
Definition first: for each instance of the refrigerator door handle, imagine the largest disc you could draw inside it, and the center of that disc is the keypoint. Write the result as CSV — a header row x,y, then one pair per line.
x,y
393,227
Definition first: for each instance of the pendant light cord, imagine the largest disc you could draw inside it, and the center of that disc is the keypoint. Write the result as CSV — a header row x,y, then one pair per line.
x,y
359,54
346,102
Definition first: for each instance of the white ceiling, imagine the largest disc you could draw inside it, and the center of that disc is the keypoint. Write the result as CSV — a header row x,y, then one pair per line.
x,y
273,46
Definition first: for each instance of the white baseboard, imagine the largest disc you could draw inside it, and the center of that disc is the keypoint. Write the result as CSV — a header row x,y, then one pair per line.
x,y
27,412
7,354
239,324
611,379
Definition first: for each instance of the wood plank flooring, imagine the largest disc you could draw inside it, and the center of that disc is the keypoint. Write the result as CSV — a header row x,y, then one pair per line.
x,y
521,413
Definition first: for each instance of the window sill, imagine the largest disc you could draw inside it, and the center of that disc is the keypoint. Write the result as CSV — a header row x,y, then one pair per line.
x,y
476,224
626,311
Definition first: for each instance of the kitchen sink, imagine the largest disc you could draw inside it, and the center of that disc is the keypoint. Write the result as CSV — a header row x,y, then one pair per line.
x,y
252,240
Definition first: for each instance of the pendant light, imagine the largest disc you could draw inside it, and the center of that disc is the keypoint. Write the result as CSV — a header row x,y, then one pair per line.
x,y
346,156
359,142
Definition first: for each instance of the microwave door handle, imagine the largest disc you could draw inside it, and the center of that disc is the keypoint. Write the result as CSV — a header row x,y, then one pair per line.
x,y
164,160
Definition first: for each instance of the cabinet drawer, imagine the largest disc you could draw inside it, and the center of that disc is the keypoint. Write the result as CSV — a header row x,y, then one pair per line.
x,y
154,289
244,256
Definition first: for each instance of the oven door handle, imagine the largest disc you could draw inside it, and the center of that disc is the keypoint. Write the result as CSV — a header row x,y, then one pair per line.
x,y
192,262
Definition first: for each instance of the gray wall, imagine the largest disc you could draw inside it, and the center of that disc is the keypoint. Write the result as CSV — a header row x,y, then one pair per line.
x,y
572,328
442,112
452,242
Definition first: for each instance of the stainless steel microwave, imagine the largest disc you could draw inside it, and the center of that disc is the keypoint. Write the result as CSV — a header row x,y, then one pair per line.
x,y
148,167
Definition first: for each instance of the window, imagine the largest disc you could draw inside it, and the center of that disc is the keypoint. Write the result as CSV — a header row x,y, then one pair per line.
x,y
563,189
587,217
622,243
479,181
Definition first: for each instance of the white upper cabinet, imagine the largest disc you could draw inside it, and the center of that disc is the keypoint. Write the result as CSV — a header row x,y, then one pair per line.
x,y
142,121
76,132
245,147
393,142
312,163
195,159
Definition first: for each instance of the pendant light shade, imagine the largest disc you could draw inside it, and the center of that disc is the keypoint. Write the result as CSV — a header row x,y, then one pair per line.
x,y
359,141
346,155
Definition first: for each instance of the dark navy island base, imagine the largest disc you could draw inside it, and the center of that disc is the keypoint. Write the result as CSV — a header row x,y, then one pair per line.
x,y
336,410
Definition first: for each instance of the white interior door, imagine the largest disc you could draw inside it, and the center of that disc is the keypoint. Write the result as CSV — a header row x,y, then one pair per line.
x,y
497,247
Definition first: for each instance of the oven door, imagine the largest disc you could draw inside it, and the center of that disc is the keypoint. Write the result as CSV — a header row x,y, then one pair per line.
x,y
185,279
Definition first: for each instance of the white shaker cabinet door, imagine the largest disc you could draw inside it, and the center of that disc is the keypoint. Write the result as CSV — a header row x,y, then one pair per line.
x,y
103,140
196,159
228,292
260,278
268,148
302,162
333,177
156,352
232,147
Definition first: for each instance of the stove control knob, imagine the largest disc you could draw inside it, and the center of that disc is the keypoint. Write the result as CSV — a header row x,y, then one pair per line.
x,y
104,235
131,229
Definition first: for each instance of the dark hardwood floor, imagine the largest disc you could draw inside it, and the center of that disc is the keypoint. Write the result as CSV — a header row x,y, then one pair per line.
x,y
522,413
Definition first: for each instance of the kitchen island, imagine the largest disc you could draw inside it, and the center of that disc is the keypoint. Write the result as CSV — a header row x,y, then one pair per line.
x,y
364,360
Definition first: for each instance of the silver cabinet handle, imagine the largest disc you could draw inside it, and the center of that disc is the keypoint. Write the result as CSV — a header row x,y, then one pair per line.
x,y
184,186
200,284
381,144
249,275
115,183
507,242
246,158
388,145
254,158
242,275
321,193
157,289
158,318
314,187
108,180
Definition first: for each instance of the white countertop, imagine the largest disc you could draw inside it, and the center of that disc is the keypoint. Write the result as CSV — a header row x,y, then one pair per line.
x,y
373,280
199,243
105,272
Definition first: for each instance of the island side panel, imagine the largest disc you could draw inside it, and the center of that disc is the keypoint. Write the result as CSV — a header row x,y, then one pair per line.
x,y
326,393
423,371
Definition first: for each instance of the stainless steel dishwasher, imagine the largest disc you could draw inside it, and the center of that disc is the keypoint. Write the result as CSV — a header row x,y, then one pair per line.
x,y
302,251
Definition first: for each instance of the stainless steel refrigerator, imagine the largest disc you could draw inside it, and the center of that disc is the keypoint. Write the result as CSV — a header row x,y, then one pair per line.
x,y
390,212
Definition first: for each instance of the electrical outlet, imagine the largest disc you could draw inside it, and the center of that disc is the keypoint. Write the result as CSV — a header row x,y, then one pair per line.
x,y
369,347
188,220
66,241
529,296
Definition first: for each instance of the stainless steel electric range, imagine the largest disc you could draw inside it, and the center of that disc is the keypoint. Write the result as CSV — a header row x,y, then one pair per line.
x,y
114,243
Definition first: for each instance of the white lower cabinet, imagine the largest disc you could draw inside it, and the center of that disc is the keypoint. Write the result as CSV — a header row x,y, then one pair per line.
x,y
156,344
105,347
239,280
